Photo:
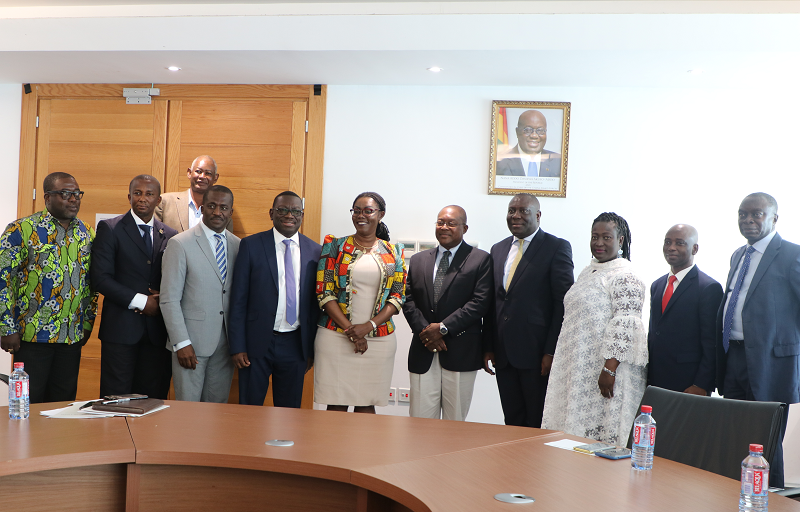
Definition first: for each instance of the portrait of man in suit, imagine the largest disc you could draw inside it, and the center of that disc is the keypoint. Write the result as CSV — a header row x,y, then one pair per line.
x,y
126,269
528,157
181,210
683,317
274,308
532,272
448,292
195,293
758,323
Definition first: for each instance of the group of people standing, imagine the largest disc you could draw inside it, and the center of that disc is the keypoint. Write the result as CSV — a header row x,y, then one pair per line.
x,y
187,301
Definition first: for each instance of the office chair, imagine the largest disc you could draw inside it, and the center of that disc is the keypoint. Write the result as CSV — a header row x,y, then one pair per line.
x,y
712,433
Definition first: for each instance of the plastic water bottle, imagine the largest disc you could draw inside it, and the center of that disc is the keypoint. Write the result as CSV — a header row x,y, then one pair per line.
x,y
755,481
644,439
18,398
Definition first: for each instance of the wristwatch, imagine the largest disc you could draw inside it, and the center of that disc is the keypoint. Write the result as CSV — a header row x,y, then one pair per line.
x,y
442,329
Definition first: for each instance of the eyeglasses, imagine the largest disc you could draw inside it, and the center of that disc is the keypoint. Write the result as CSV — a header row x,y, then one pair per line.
x,y
539,131
365,211
283,211
449,224
66,194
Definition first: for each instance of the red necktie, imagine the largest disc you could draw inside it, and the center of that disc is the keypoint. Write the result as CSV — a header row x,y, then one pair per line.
x,y
668,293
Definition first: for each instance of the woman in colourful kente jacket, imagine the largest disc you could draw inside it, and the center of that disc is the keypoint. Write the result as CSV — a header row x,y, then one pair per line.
x,y
361,282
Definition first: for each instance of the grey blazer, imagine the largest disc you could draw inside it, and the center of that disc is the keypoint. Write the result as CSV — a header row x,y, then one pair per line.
x,y
194,301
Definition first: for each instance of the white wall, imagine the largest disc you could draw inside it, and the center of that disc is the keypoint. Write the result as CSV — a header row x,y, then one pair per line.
x,y
10,112
656,156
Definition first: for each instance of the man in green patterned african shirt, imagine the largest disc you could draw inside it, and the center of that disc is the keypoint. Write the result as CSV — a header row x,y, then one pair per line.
x,y
46,307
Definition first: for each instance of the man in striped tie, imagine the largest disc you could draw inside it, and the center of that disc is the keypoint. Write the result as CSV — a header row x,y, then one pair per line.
x,y
195,293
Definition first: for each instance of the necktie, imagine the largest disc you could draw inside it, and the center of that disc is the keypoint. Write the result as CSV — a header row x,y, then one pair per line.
x,y
726,326
444,264
514,264
668,292
148,243
289,282
533,169
222,261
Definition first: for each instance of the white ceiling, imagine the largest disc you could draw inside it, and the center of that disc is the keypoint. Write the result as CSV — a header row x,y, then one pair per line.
x,y
584,43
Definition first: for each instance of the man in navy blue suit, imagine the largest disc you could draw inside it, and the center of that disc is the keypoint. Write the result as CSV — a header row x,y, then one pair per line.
x,y
683,317
758,323
274,307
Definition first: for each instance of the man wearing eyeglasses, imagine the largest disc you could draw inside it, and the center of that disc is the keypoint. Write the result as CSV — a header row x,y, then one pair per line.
x,y
448,292
528,157
181,210
195,301
126,269
274,308
46,307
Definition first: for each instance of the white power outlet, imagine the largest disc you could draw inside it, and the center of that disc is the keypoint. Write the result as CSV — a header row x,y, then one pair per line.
x,y
392,395
403,395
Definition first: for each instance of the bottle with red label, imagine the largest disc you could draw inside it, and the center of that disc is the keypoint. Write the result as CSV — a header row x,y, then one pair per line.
x,y
18,399
755,481
644,439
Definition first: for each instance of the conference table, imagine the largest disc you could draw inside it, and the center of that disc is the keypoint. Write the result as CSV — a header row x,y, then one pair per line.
x,y
197,456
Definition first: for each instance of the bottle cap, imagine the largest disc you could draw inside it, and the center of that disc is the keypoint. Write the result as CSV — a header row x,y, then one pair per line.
x,y
647,409
756,448
19,365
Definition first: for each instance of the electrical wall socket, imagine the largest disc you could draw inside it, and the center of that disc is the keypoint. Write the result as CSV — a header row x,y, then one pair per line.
x,y
392,395
403,395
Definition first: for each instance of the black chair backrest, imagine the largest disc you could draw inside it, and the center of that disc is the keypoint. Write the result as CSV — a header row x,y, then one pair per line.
x,y
713,434
4,377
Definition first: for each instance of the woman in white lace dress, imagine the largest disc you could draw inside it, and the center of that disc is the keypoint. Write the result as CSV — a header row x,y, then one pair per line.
x,y
599,368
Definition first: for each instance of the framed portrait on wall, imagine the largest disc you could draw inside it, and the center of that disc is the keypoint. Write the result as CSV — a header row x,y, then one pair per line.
x,y
529,145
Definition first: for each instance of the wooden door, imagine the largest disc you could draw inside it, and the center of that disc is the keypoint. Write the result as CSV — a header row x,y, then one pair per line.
x,y
256,133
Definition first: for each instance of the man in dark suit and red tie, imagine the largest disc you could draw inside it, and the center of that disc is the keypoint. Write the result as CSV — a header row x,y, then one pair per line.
x,y
126,269
532,272
758,323
448,292
274,310
683,316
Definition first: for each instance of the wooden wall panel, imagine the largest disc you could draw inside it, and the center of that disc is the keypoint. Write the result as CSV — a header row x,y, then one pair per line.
x,y
239,122
27,153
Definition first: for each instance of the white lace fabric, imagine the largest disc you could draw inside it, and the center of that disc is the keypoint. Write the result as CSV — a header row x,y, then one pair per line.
x,y
602,320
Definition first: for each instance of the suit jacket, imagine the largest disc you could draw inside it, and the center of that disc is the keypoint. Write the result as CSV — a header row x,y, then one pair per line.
x,y
524,322
511,164
681,340
192,292
254,298
174,211
771,323
120,269
464,301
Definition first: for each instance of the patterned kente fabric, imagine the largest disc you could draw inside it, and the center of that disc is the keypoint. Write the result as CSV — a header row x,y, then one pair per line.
x,y
44,280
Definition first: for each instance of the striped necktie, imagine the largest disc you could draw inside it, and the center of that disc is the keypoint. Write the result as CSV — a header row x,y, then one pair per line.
x,y
514,264
222,261
728,323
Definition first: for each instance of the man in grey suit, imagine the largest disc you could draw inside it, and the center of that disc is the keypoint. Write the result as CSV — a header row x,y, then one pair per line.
x,y
528,157
181,210
195,290
758,323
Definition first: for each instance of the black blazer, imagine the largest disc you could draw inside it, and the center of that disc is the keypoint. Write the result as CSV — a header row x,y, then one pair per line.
x,y
120,269
254,295
464,301
525,321
681,340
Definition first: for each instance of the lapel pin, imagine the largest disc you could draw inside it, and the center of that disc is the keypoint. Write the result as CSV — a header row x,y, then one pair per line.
x,y
160,231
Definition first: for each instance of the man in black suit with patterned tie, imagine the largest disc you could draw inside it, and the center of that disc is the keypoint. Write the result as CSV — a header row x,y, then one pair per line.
x,y
126,269
532,272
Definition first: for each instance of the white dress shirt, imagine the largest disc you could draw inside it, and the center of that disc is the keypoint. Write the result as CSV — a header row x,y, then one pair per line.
x,y
280,252
512,254
737,331
139,300
678,278
195,214
212,242
439,255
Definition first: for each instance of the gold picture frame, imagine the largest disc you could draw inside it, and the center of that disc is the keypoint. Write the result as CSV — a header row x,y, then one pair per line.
x,y
530,167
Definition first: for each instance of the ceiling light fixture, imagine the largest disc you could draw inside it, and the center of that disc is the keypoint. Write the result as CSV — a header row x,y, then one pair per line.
x,y
174,68
435,69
